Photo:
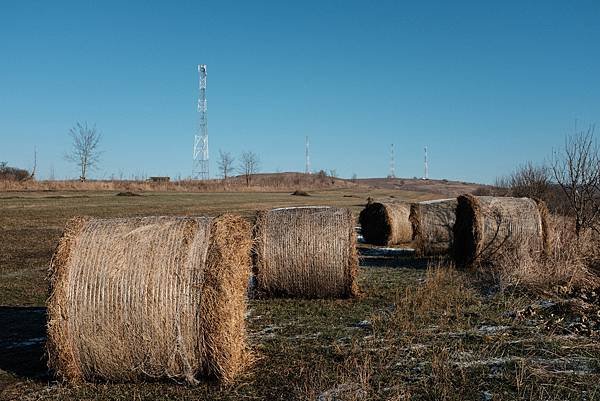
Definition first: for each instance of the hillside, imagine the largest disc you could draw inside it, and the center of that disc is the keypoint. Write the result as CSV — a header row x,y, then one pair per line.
x,y
438,187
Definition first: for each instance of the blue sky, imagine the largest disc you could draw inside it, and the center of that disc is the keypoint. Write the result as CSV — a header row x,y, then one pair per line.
x,y
486,85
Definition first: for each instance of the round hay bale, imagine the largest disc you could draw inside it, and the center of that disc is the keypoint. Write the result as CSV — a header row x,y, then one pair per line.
x,y
432,226
149,298
487,226
306,252
386,223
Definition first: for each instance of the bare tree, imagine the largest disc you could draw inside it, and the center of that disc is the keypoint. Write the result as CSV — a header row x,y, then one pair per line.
x,y
225,164
249,165
85,152
576,168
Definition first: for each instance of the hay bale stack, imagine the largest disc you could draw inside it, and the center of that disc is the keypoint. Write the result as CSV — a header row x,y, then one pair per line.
x,y
487,226
432,224
386,223
306,252
149,298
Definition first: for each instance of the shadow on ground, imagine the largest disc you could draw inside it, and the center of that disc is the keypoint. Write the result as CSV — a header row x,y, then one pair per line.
x,y
393,257
22,341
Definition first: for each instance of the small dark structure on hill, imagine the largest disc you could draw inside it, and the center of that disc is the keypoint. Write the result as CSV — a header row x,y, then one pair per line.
x,y
159,179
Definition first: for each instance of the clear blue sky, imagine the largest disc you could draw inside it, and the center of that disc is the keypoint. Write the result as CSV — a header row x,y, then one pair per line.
x,y
486,85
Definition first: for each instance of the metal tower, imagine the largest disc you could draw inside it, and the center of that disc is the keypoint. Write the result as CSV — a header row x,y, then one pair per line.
x,y
307,171
392,173
200,168
426,177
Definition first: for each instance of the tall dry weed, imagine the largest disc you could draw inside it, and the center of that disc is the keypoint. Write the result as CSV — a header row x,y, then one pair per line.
x,y
570,262
442,299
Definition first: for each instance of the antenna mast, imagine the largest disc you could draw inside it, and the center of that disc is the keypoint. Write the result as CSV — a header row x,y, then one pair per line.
x,y
307,169
392,173
200,168
426,177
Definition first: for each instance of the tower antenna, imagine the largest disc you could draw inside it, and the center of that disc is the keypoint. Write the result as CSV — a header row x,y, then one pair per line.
x,y
307,170
426,177
392,173
200,168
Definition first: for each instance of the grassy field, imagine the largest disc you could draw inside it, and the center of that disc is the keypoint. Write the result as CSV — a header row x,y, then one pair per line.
x,y
419,333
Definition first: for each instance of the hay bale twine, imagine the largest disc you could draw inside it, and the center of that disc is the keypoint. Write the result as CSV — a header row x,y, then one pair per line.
x,y
432,225
386,223
488,226
306,252
152,297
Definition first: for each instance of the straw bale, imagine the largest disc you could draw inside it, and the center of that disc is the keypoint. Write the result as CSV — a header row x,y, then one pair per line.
x,y
386,223
149,298
432,225
306,252
487,226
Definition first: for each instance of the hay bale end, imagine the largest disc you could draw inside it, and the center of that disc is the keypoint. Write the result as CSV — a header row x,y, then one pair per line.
x,y
306,252
386,223
432,226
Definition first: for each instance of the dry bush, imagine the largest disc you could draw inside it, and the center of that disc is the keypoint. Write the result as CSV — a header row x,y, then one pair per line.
x,y
443,298
13,174
569,261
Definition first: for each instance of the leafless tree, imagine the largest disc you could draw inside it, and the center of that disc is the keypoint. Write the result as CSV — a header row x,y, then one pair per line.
x,y
249,165
225,164
85,152
576,168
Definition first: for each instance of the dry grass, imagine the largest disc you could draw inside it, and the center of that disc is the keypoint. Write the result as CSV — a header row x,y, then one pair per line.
x,y
569,262
469,347
443,298
259,183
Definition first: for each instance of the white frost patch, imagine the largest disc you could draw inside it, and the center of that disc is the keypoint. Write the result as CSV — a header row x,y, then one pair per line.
x,y
493,329
486,362
301,207
360,238
386,251
431,202
26,343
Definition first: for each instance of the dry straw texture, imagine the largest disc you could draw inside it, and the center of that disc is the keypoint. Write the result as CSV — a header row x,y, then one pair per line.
x,y
432,225
486,227
152,297
386,223
307,252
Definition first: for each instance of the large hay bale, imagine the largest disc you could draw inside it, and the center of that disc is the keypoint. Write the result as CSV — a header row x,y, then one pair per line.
x,y
306,252
487,226
432,225
386,223
152,297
